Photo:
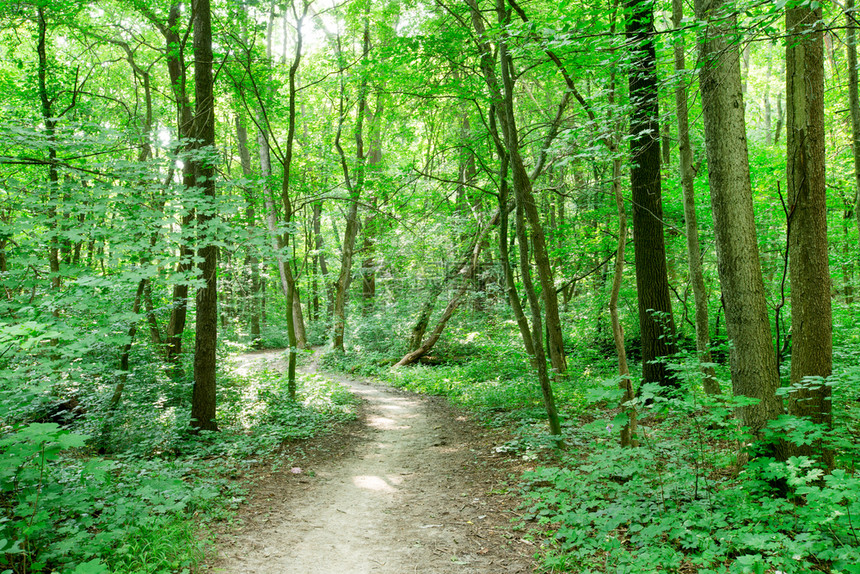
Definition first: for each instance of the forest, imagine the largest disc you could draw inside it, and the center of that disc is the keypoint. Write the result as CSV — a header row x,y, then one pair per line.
x,y
624,231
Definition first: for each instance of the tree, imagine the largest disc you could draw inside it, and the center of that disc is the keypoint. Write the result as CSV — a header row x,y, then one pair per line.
x,y
811,319
206,331
174,49
694,254
752,357
853,98
652,283
529,238
354,185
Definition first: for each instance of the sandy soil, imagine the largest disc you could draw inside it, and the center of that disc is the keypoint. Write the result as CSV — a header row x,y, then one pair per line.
x,y
412,487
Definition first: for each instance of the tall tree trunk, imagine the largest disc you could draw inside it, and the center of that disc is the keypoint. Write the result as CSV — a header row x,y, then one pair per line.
x,y
768,112
694,255
853,98
50,124
175,59
505,257
286,281
811,319
527,209
251,218
502,93
752,357
206,332
277,248
502,96
294,301
627,434
298,316
371,221
652,284
341,286
354,188
319,258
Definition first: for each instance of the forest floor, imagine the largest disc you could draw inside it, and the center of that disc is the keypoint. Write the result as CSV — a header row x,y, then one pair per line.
x,y
412,486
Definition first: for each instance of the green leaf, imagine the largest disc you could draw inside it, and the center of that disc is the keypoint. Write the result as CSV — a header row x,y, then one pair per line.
x,y
92,567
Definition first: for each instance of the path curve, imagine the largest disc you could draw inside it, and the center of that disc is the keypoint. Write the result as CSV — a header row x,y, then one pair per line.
x,y
418,493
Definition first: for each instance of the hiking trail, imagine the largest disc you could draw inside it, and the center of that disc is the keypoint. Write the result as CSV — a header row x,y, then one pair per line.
x,y
412,487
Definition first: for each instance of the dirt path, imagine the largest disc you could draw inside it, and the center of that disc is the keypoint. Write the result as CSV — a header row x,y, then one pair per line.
x,y
414,487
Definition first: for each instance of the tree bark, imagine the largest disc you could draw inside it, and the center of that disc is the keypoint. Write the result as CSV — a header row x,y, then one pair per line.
x,y
505,258
628,432
175,60
502,97
752,357
319,258
50,124
354,189
465,271
294,302
853,98
652,284
371,222
694,255
811,319
286,281
253,260
206,332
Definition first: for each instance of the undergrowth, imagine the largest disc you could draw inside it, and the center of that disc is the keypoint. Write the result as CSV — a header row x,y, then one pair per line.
x,y
681,501
144,507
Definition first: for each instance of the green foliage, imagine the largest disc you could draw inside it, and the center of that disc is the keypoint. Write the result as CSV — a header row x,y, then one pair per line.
x,y
677,502
70,511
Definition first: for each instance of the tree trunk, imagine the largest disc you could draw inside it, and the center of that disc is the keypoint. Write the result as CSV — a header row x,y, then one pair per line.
x,y
694,256
286,282
50,124
371,222
176,68
524,196
752,358
628,432
283,269
504,256
294,301
853,99
652,284
298,318
423,321
811,319
464,271
502,95
354,188
206,332
319,257
253,260
526,208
